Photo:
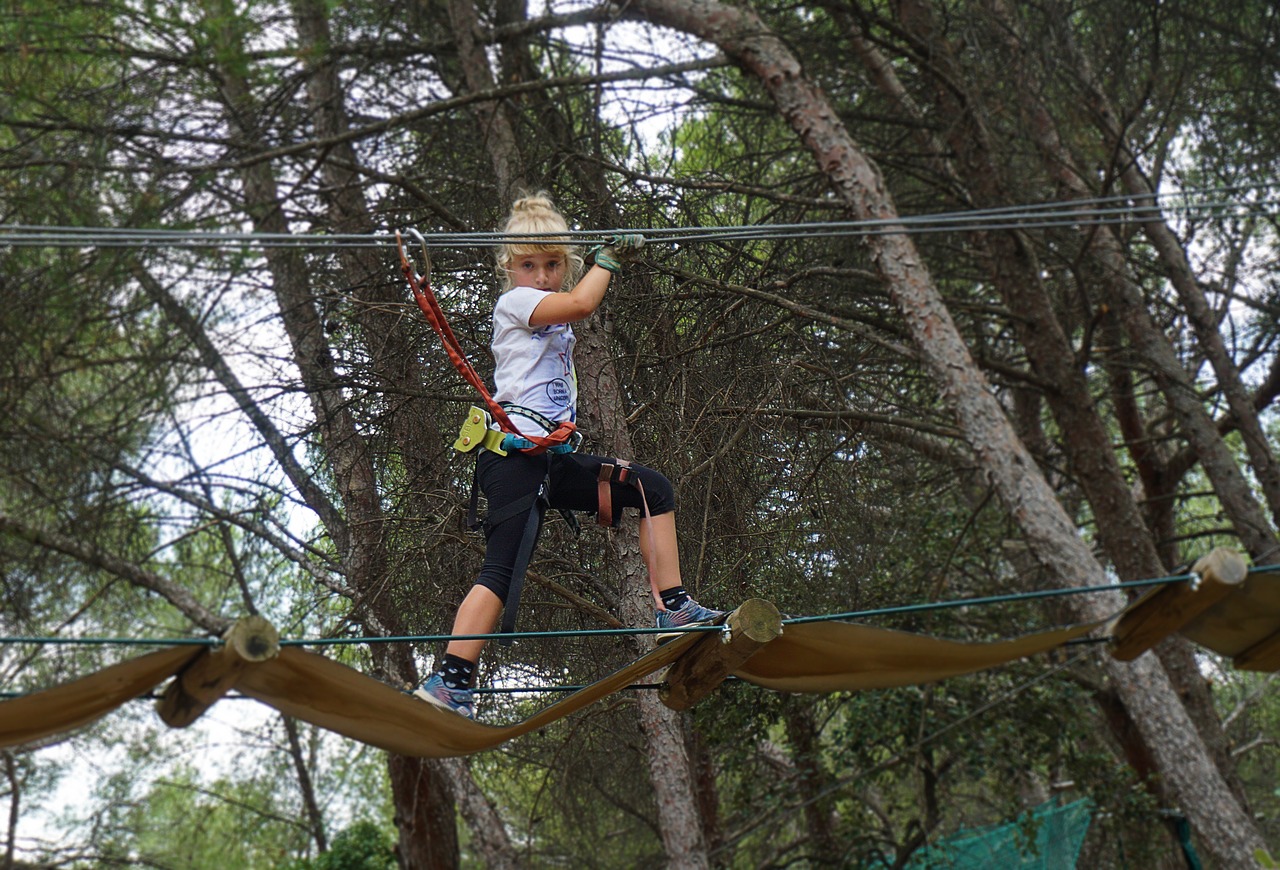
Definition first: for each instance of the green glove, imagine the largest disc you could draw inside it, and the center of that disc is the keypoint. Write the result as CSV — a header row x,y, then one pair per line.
x,y
618,250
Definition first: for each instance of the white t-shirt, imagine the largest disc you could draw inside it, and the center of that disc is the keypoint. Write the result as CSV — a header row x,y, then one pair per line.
x,y
534,364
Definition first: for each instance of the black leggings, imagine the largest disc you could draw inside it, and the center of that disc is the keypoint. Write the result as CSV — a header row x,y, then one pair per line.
x,y
574,485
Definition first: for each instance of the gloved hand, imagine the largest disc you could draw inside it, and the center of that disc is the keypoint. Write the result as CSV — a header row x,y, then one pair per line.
x,y
619,249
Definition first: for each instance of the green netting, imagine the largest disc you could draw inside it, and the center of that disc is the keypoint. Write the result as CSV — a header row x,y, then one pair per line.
x,y
1048,837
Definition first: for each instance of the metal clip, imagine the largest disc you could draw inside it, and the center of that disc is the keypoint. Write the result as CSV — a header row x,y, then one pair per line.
x,y
404,258
726,633
1195,581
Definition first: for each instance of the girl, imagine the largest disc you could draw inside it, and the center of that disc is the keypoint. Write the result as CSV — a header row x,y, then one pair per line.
x,y
537,386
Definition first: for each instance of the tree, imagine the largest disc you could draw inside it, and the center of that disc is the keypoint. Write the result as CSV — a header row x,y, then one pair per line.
x,y
1143,687
262,422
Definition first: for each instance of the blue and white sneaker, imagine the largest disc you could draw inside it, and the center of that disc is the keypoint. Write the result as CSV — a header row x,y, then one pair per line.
x,y
689,613
434,691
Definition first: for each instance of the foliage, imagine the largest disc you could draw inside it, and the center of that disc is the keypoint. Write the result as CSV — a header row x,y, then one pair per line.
x,y
361,846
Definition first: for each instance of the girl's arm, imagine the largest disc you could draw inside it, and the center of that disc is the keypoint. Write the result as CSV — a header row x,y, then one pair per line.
x,y
578,304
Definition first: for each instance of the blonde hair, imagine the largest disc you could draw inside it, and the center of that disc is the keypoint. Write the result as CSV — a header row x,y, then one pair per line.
x,y
537,214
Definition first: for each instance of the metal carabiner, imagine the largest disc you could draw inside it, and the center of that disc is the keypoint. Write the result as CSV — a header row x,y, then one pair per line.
x,y
425,277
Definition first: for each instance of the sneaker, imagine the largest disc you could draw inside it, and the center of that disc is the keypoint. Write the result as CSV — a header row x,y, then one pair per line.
x,y
434,691
690,613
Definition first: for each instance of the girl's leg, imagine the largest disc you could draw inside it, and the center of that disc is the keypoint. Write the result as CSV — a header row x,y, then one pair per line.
x,y
505,481
478,614
660,549
575,485
451,683
661,554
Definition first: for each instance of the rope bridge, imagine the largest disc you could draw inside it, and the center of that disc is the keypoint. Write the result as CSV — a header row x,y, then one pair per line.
x,y
1222,605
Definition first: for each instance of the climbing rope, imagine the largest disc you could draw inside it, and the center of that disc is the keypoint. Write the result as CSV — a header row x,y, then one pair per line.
x,y
348,641
420,286
1207,203
999,599
114,641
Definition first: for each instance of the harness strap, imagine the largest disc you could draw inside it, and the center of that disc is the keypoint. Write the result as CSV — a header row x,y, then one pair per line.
x,y
535,504
515,442
608,474
532,506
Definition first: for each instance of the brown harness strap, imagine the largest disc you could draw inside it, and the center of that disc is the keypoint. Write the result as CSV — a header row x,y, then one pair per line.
x,y
608,474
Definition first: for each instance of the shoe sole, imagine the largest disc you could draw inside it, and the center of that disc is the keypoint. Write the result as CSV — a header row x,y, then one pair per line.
x,y
668,636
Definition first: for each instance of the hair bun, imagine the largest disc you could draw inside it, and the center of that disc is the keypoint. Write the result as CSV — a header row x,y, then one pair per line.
x,y
535,203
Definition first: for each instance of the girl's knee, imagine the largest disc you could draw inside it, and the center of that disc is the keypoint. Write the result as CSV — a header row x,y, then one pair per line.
x,y
495,583
659,492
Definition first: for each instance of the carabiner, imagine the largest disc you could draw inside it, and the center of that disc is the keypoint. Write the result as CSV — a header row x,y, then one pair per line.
x,y
408,267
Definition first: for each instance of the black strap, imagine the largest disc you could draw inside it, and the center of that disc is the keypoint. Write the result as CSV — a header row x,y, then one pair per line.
x,y
473,511
517,508
535,505
571,520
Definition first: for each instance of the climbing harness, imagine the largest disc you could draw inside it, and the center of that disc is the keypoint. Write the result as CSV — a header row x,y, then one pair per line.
x,y
515,441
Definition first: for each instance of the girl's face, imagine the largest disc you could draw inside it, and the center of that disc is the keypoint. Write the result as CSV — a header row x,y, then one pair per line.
x,y
544,270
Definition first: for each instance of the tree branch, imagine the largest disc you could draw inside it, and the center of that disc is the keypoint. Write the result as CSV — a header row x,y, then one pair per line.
x,y
94,557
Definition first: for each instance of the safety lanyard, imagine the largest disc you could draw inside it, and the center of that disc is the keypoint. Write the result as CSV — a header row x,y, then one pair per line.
x,y
430,305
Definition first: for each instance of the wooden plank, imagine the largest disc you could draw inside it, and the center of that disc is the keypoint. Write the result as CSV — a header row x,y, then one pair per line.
x,y
212,674
1165,610
708,662
58,709
1262,656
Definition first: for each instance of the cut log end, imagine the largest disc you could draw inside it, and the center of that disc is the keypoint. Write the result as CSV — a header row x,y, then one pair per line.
x,y
709,661
214,672
253,639
1168,609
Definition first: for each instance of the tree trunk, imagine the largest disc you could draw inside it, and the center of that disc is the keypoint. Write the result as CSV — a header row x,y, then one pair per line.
x,y
1178,270
496,129
494,848
1226,830
315,819
705,790
397,372
670,772
15,802
1015,272
1130,309
428,835
811,781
